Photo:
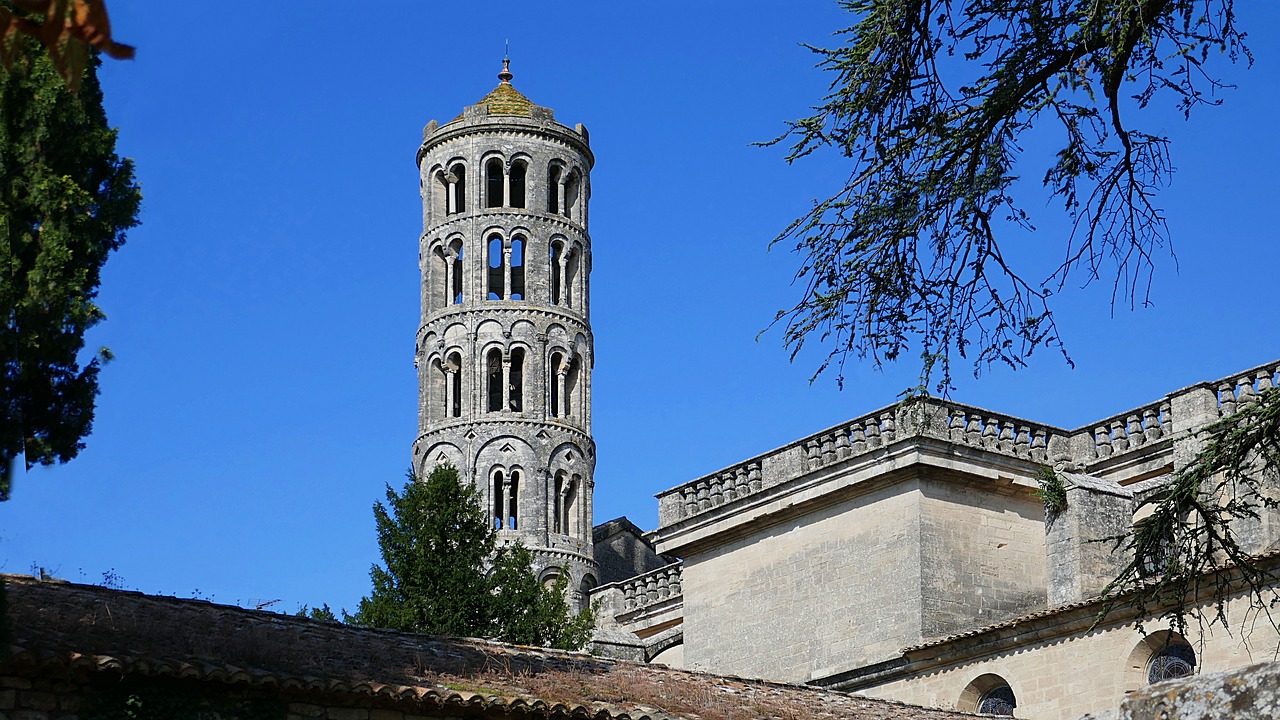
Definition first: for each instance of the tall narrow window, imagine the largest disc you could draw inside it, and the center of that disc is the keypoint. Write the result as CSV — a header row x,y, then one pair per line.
x,y
459,184
517,268
572,196
570,505
515,401
493,377
495,267
553,189
569,294
440,268
557,498
557,382
499,499
557,265
518,172
456,254
493,180
513,500
571,399
453,367
439,189
439,395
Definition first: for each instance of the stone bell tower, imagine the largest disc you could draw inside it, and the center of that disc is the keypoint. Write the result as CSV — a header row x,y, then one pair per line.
x,y
504,353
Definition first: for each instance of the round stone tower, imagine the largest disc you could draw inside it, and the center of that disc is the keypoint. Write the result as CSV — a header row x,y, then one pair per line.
x,y
504,353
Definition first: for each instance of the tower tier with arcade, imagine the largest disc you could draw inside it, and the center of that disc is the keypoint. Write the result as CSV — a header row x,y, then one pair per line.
x,y
504,352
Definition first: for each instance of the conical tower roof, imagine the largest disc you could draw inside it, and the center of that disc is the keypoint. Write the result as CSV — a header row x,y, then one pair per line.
x,y
505,99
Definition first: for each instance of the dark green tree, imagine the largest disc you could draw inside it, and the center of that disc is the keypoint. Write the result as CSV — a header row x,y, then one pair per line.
x,y
443,574
66,200
931,103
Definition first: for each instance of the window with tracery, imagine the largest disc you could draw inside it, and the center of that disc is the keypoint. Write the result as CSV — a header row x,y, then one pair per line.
x,y
1175,660
999,700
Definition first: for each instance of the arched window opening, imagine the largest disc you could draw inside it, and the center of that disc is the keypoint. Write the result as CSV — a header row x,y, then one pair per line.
x,y
519,170
495,267
493,377
556,381
553,189
1155,543
587,585
1175,660
571,399
438,397
570,506
439,190
456,280
441,271
493,181
572,195
557,497
499,487
457,188
557,269
453,368
999,700
549,577
517,268
570,295
513,500
515,402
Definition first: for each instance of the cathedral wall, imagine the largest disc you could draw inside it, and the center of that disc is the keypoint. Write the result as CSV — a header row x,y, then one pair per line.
x,y
835,587
984,551
1066,675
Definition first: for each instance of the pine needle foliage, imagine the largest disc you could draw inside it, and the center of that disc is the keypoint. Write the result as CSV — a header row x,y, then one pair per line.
x,y
442,572
931,102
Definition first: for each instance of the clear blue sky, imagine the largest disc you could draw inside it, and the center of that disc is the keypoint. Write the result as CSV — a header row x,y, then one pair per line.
x,y
263,314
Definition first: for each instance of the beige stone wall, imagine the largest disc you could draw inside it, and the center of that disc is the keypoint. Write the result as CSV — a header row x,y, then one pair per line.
x,y
836,587
985,554
1065,677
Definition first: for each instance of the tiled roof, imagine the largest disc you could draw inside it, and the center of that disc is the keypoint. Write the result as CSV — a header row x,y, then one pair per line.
x,y
506,100
84,627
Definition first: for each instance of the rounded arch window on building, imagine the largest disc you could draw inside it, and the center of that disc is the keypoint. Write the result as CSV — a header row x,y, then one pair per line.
x,y
1173,661
988,694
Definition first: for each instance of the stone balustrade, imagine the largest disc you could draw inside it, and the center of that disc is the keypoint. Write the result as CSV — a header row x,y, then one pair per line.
x,y
1237,390
651,588
1124,435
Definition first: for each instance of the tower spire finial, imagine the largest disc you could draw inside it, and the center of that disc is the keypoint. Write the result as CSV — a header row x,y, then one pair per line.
x,y
505,76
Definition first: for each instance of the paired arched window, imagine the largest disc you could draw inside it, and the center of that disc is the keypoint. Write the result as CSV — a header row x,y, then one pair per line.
x,y
505,485
565,370
505,274
565,193
504,187
504,381
565,503
564,272
448,272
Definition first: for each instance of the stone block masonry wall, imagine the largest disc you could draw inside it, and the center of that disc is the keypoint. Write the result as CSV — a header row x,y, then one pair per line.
x,y
792,599
985,555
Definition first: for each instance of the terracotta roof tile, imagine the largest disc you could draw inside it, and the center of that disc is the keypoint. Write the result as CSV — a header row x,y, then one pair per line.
x,y
82,627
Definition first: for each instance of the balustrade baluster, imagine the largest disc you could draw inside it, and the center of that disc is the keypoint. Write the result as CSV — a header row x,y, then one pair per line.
x,y
873,433
1134,431
704,499
842,444
991,434
888,428
828,449
1244,391
1039,446
973,431
753,477
1264,381
1119,439
1022,443
859,440
1006,437
1226,399
1151,425
955,426
1102,441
